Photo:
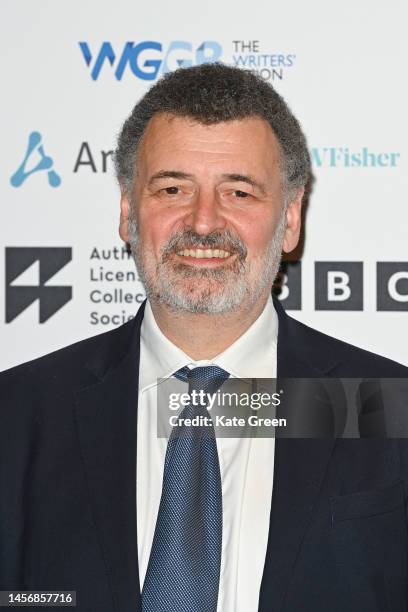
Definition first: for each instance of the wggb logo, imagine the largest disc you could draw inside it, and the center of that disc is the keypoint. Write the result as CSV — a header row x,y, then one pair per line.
x,y
35,160
28,272
149,59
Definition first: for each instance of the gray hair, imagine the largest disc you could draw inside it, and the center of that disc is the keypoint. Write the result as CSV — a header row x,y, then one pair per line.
x,y
210,94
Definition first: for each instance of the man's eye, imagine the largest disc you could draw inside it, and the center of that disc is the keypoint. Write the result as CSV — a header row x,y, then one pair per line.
x,y
171,190
241,194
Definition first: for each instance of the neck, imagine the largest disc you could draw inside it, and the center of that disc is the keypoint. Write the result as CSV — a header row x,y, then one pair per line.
x,y
203,336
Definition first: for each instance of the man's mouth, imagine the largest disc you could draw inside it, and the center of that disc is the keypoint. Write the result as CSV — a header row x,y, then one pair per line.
x,y
204,253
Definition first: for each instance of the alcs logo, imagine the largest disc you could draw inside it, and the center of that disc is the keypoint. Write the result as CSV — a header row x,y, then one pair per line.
x,y
147,59
29,274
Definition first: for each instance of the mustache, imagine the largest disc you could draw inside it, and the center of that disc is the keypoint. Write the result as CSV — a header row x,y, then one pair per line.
x,y
189,239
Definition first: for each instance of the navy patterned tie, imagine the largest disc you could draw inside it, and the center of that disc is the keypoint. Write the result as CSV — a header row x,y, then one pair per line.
x,y
184,566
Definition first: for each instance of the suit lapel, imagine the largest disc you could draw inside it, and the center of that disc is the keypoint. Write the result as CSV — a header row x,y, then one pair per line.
x,y
106,418
299,470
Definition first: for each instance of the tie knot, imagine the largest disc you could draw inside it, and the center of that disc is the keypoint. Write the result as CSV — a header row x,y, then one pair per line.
x,y
205,378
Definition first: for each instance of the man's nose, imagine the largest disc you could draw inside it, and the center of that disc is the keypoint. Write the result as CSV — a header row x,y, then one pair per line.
x,y
206,214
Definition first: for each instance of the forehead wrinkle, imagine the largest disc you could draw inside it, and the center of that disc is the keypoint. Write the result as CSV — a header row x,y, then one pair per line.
x,y
163,143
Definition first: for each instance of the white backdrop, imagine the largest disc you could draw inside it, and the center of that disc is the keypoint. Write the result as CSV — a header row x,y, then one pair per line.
x,y
342,68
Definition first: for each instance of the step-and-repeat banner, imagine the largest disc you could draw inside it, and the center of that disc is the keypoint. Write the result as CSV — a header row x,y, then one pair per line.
x,y
71,74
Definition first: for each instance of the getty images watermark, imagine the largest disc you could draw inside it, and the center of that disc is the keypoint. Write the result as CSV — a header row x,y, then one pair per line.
x,y
224,400
237,409
290,408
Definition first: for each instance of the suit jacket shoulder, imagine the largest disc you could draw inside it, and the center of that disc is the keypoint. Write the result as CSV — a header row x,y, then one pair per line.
x,y
66,366
331,356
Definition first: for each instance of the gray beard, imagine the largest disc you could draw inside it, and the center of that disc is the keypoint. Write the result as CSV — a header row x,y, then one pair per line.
x,y
208,291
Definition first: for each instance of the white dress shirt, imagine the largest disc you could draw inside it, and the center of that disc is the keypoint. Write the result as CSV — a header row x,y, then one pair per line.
x,y
246,464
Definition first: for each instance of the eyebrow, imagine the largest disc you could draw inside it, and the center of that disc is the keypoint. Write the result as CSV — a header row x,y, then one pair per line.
x,y
244,178
176,174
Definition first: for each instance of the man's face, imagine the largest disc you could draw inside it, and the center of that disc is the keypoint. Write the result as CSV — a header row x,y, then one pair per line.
x,y
208,205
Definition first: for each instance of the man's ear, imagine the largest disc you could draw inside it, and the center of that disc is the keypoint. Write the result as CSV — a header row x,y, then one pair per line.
x,y
124,214
293,221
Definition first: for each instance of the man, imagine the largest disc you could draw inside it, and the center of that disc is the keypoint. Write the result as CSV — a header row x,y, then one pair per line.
x,y
212,167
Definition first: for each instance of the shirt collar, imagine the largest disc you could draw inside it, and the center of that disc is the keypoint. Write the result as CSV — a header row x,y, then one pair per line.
x,y
250,356
159,357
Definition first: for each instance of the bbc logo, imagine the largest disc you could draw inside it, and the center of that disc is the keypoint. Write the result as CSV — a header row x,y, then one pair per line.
x,y
339,285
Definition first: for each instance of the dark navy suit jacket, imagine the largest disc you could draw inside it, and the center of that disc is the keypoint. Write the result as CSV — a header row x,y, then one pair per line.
x,y
338,525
